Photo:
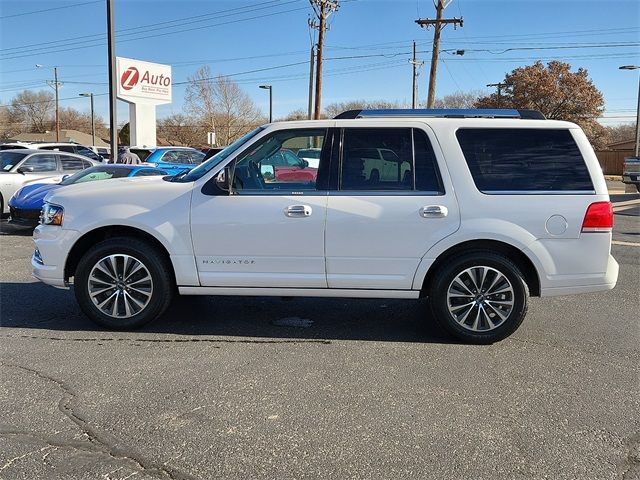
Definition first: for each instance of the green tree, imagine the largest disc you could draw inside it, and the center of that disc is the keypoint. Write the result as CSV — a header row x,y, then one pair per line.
x,y
124,136
555,91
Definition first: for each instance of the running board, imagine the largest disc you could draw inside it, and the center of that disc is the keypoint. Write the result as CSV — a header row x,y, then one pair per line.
x,y
299,292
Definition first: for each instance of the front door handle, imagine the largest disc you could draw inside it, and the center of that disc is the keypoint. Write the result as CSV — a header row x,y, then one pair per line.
x,y
434,211
298,211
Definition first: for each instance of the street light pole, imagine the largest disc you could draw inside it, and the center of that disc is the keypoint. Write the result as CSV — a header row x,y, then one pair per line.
x,y
270,88
635,67
111,43
93,122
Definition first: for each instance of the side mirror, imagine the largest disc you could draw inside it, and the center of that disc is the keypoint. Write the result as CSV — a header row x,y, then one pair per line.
x,y
305,163
24,170
222,179
64,177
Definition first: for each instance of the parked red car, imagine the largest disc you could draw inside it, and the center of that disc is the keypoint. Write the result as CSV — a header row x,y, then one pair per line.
x,y
288,167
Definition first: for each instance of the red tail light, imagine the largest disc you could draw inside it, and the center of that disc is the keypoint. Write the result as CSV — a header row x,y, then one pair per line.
x,y
599,217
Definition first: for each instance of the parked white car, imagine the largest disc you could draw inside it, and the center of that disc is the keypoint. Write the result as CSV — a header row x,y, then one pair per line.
x,y
22,166
495,210
55,146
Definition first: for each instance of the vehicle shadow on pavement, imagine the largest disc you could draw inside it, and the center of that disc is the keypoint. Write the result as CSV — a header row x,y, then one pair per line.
x,y
37,306
7,228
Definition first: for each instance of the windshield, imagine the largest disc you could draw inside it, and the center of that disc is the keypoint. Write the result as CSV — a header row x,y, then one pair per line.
x,y
208,165
9,159
96,173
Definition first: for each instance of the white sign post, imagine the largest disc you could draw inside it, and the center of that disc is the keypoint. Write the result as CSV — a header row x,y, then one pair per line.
x,y
143,86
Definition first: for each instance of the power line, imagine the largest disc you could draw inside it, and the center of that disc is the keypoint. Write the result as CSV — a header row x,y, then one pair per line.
x,y
101,42
49,9
136,29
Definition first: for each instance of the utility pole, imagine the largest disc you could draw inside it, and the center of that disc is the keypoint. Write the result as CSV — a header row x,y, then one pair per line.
x,y
499,86
322,9
311,71
93,122
416,64
55,81
438,25
113,120
56,86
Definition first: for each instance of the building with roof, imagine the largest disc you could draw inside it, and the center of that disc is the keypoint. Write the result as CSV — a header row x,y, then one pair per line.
x,y
73,136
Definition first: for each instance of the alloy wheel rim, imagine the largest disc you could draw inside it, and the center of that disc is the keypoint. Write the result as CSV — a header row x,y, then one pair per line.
x,y
480,298
120,286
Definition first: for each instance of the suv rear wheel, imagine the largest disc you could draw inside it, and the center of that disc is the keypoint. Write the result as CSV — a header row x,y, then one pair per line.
x,y
479,297
123,283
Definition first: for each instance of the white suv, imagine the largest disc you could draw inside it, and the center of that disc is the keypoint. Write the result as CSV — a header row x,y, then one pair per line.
x,y
491,210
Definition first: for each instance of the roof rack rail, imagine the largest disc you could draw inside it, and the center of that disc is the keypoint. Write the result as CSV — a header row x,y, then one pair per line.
x,y
445,113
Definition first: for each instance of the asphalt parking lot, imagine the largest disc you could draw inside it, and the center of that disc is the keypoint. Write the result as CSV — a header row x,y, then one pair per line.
x,y
270,388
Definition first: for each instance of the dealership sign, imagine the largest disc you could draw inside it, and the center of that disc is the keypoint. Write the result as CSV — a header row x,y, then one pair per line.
x,y
143,82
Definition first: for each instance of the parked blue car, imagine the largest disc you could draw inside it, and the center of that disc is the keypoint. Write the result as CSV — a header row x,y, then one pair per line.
x,y
26,203
173,160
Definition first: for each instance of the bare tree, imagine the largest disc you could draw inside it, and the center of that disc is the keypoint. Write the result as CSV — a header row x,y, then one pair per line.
x,y
236,112
33,109
221,106
200,97
73,119
181,129
335,108
458,100
8,125
298,114
622,133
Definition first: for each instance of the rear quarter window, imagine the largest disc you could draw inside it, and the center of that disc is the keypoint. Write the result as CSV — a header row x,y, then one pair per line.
x,y
523,160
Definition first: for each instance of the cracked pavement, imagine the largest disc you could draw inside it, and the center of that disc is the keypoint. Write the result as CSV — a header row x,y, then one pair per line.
x,y
233,388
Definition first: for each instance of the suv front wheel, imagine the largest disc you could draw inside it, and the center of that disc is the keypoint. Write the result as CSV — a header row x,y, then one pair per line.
x,y
123,283
479,297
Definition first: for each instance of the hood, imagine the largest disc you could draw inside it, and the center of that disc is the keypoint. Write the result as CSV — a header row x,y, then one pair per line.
x,y
32,196
120,200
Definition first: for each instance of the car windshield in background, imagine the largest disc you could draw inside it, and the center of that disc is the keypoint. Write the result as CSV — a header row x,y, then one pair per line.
x,y
142,153
9,159
309,153
96,173
208,165
189,157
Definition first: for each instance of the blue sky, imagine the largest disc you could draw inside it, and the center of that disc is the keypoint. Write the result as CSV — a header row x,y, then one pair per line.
x,y
239,36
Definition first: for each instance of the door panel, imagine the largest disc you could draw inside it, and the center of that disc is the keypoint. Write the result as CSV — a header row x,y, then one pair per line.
x,y
250,241
378,241
379,229
270,231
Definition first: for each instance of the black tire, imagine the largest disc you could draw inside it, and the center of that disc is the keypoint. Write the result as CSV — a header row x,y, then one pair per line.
x,y
519,295
157,266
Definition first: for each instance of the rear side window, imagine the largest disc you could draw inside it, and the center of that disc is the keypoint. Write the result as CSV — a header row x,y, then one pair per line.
x,y
389,159
42,163
522,160
71,163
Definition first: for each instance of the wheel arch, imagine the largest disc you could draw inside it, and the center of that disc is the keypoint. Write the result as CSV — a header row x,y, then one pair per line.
x,y
517,256
97,235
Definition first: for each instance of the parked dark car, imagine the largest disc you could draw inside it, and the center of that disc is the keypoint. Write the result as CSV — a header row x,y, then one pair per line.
x,y
631,171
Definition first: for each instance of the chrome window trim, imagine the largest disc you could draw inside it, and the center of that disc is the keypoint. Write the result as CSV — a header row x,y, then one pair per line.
x,y
385,193
538,192
344,193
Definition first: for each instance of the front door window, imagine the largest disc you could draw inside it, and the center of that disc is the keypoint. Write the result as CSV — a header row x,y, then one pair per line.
x,y
272,165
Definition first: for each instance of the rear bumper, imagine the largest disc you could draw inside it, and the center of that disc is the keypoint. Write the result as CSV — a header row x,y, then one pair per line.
x,y
574,284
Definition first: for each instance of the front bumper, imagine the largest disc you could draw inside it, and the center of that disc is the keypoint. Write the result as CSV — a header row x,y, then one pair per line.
x,y
52,249
633,178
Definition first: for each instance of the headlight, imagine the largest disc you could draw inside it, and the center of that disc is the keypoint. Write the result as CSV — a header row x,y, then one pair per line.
x,y
51,214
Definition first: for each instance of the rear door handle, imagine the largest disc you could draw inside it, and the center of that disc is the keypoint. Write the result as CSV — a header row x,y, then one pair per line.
x,y
434,211
298,211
